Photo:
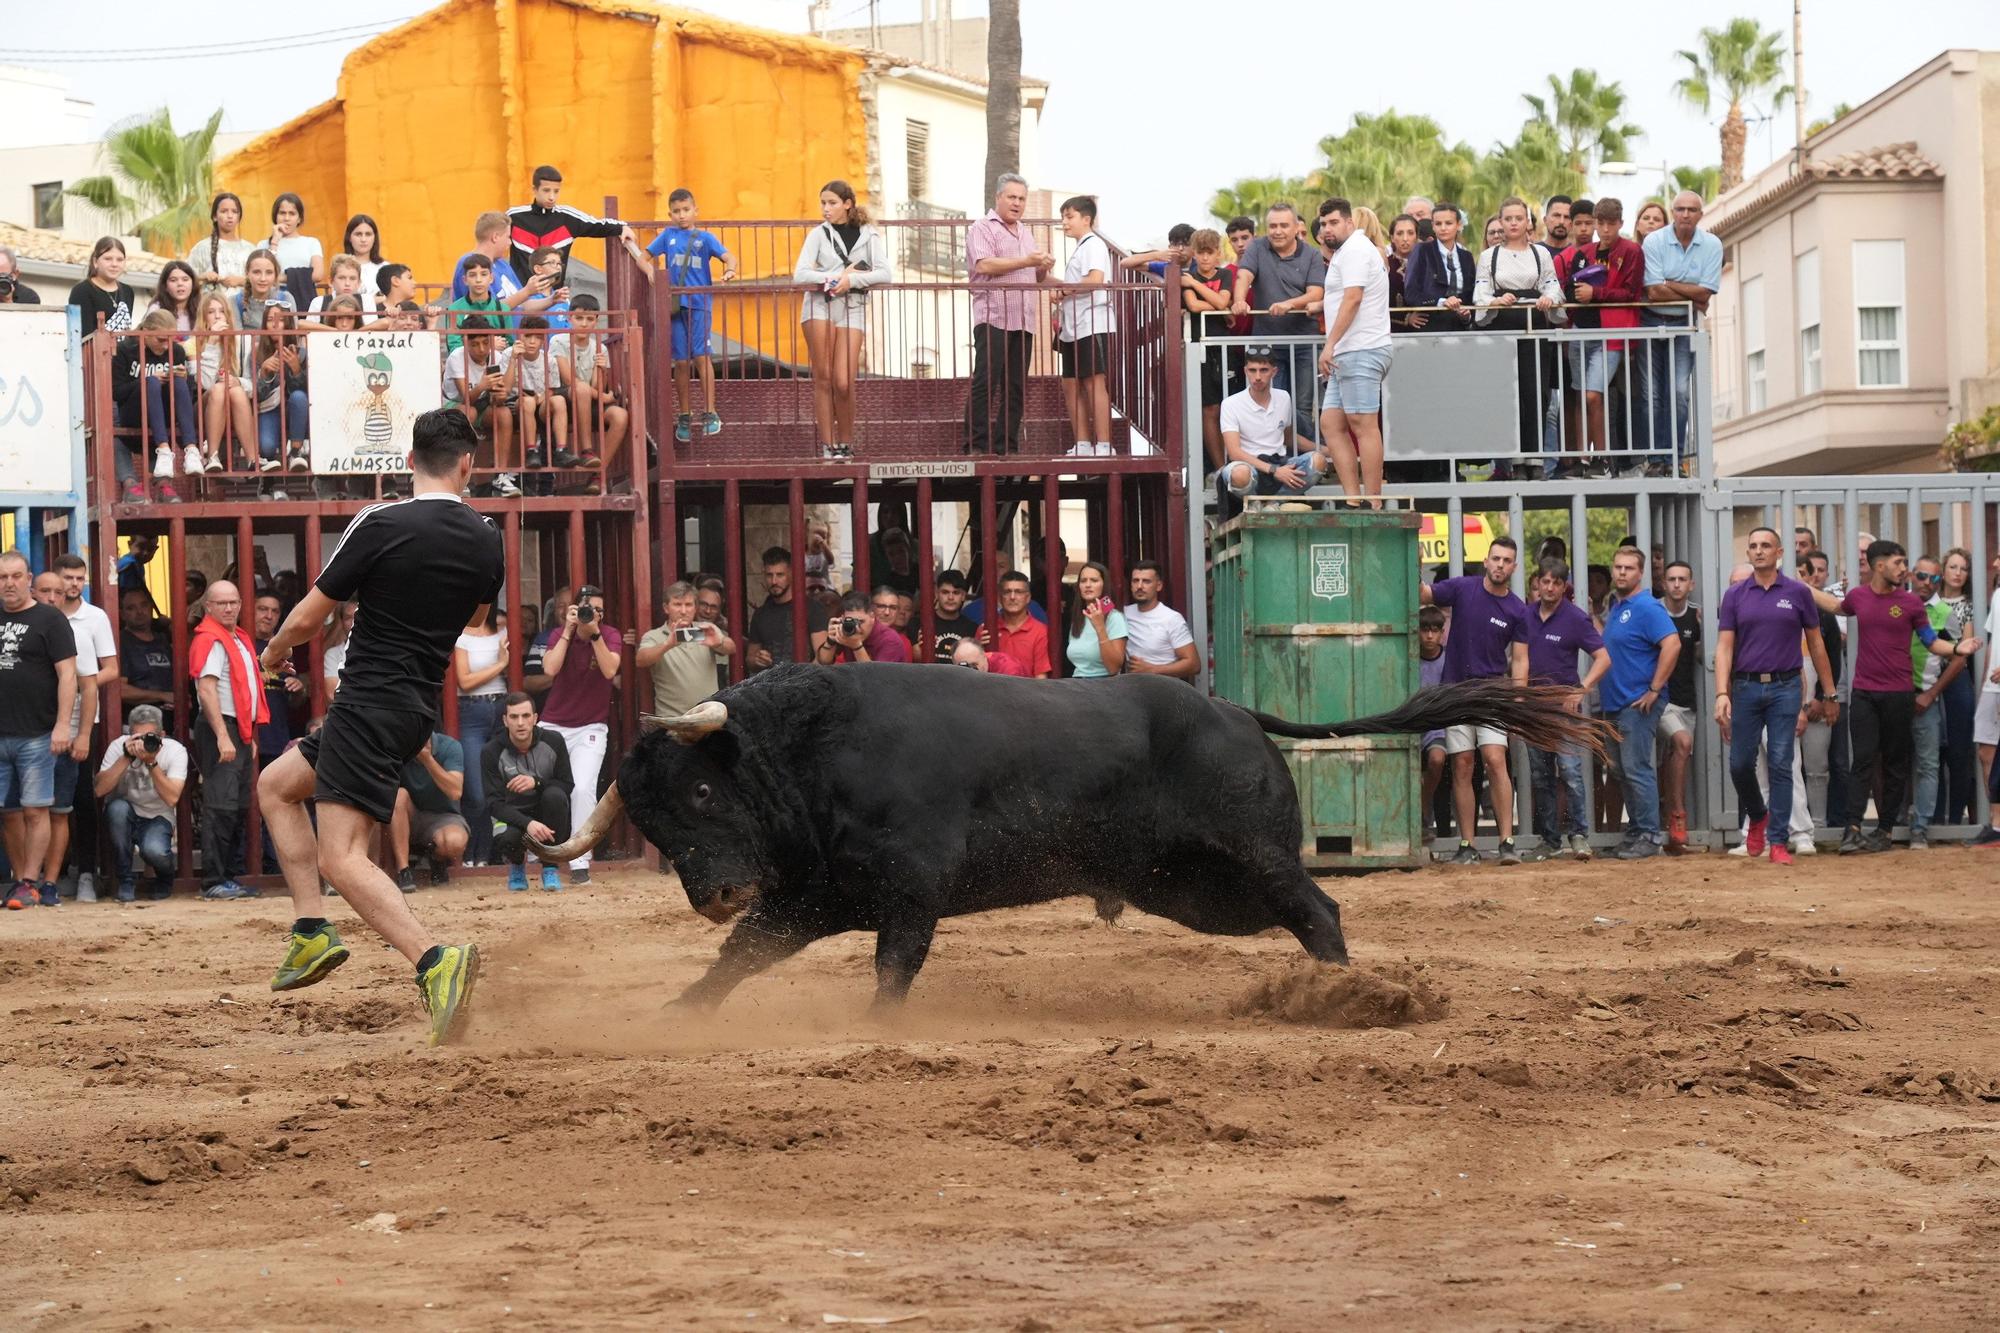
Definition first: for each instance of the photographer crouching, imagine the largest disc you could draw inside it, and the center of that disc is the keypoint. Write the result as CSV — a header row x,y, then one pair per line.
x,y
855,635
140,783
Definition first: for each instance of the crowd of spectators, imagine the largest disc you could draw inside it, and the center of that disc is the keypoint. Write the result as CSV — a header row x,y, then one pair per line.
x,y
1803,750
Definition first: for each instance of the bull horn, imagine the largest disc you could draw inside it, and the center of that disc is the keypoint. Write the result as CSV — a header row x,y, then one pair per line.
x,y
689,727
594,828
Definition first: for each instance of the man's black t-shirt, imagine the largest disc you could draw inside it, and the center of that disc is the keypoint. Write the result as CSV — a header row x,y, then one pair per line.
x,y
1680,685
949,632
420,568
33,641
771,626
147,663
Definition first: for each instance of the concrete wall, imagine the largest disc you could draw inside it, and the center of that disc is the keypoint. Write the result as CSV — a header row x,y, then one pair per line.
x,y
21,169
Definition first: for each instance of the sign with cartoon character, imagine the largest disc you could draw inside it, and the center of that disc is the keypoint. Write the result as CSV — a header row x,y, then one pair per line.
x,y
367,390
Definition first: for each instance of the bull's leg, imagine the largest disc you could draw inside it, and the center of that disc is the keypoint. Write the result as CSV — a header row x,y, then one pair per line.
x,y
756,943
900,949
1303,908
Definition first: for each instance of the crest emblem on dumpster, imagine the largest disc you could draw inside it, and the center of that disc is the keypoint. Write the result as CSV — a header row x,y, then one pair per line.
x,y
1329,570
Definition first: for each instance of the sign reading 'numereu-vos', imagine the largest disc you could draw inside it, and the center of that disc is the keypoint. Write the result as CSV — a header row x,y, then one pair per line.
x,y
367,390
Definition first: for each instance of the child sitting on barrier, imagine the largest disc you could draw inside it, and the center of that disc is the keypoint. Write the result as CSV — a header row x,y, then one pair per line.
x,y
479,381
150,392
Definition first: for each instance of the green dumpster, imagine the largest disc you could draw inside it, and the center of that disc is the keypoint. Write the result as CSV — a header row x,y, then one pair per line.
x,y
1315,621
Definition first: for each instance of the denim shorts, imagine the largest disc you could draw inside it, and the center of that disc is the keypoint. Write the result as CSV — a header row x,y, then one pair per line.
x,y
27,772
1356,384
1592,366
62,791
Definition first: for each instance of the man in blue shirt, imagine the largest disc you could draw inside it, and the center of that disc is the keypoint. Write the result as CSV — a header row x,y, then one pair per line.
x,y
1488,640
689,252
1684,270
1644,646
1558,629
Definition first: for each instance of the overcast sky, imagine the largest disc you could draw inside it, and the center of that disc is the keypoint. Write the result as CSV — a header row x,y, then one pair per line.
x,y
1129,117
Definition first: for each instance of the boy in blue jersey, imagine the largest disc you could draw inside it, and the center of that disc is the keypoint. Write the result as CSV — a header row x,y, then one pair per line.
x,y
689,253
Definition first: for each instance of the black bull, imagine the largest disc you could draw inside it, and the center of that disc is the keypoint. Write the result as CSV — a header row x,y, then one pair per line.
x,y
811,801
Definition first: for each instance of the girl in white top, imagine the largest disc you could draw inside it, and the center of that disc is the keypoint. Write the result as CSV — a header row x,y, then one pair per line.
x,y
225,397
842,258
301,261
219,257
1087,322
363,240
1515,289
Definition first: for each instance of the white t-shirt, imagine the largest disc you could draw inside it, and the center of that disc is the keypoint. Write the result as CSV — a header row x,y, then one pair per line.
x,y
136,784
1357,263
297,251
366,295
481,651
456,368
540,371
334,660
1260,430
1086,314
222,664
1992,654
91,628
1156,636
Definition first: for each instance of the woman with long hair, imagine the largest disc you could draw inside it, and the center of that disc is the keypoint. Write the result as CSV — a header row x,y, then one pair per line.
x,y
1652,217
363,240
1369,225
301,261
333,656
1402,240
1513,279
150,396
1960,699
282,407
175,294
218,257
225,397
480,662
841,259
1096,644
261,287
103,294
1491,233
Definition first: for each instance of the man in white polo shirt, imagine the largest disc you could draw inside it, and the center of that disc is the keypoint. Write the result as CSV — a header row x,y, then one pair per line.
x,y
1158,641
1257,439
1356,357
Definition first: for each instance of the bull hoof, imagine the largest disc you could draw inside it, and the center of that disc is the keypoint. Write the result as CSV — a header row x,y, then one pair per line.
x,y
691,1003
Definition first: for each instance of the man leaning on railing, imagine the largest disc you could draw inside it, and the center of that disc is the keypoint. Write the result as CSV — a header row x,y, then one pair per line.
x,y
1683,271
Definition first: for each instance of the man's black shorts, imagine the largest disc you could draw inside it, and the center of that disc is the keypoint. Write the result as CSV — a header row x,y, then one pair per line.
x,y
1085,357
358,754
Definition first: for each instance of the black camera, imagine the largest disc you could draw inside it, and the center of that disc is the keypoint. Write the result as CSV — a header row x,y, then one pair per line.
x,y
7,285
850,625
150,742
585,611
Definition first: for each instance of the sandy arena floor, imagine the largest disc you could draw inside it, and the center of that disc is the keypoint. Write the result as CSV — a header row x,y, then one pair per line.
x,y
1691,1094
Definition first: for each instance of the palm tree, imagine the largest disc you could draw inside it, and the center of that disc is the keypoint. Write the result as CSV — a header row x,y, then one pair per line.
x,y
1739,63
1252,196
1384,159
1839,110
1003,90
1587,115
1704,181
157,181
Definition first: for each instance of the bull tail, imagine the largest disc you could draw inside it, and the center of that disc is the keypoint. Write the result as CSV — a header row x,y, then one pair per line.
x,y
1537,714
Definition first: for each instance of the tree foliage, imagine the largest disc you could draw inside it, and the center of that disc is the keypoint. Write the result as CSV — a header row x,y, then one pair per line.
x,y
157,181
1704,181
1588,116
1740,62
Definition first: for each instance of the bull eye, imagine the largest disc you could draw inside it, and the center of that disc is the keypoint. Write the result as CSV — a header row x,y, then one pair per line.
x,y
701,794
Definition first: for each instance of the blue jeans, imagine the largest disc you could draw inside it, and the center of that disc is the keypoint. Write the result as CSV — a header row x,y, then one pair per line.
x,y
1544,768
27,772
1766,712
1299,366
1927,734
478,722
1668,382
154,837
273,429
1636,775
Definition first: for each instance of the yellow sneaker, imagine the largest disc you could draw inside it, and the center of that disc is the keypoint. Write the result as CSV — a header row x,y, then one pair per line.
x,y
446,989
310,959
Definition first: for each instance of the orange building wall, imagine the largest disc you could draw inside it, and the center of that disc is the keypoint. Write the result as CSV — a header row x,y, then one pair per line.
x,y
445,117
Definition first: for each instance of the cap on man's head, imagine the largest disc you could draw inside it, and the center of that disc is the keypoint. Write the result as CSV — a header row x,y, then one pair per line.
x,y
145,715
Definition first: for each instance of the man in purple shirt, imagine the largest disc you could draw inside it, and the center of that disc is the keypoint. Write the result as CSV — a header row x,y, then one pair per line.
x,y
1488,639
1557,630
855,635
1763,622
582,661
1001,260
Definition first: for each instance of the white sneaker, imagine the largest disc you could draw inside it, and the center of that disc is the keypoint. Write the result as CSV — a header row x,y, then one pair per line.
x,y
268,465
1080,450
86,887
277,493
191,460
163,463
1104,450
1740,849
214,463
297,461
1803,845
504,484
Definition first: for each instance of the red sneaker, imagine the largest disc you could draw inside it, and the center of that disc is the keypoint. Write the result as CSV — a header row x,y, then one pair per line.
x,y
20,896
1781,855
1754,839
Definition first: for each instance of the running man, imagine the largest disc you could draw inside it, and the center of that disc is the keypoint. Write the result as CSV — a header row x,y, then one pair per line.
x,y
1882,708
422,569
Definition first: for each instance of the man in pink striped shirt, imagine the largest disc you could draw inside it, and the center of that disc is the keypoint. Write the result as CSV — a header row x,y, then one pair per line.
x,y
1001,259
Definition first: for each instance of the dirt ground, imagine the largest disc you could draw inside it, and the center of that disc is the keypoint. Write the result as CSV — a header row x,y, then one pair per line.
x,y
1690,1094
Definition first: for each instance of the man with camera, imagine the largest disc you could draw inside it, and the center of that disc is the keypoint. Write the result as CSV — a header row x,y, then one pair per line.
x,y
855,635
140,783
683,654
528,787
12,290
581,662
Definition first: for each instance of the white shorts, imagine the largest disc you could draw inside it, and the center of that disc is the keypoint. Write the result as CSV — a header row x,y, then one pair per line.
x,y
1458,740
1986,722
846,312
1674,720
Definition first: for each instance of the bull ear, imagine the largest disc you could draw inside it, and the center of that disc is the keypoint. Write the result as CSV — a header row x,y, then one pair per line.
x,y
708,716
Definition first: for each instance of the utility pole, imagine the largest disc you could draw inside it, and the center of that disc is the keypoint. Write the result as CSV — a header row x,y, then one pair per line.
x,y
1799,85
